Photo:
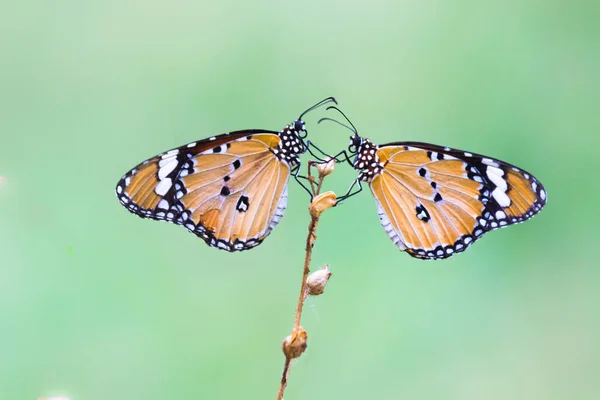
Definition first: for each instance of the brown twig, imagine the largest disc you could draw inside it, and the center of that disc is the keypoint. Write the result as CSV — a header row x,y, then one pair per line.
x,y
310,241
311,179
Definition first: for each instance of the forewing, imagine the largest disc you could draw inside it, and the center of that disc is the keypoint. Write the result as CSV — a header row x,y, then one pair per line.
x,y
434,201
230,190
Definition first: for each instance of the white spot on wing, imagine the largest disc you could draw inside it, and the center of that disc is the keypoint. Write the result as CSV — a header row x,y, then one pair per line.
x,y
166,168
496,176
163,187
501,197
499,194
170,153
490,162
163,204
543,194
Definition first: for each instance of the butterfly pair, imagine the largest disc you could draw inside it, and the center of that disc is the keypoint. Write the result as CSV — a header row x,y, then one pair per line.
x,y
231,189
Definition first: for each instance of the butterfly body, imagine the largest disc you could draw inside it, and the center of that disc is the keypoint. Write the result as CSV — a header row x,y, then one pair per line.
x,y
434,201
230,190
366,161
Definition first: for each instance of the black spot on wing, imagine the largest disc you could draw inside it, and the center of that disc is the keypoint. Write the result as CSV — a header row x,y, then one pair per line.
x,y
422,213
243,204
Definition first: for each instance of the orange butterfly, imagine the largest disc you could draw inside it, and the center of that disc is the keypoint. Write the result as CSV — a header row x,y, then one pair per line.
x,y
435,201
230,190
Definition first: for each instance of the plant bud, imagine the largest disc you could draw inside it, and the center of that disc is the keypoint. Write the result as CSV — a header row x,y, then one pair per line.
x,y
315,283
325,168
295,344
321,203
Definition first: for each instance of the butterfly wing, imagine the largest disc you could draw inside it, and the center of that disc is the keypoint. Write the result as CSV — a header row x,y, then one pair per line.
x,y
230,190
434,201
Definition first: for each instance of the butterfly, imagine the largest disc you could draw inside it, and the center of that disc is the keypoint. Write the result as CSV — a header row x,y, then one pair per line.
x,y
230,189
434,201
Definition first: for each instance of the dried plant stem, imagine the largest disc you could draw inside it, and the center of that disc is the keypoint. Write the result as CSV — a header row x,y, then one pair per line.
x,y
310,241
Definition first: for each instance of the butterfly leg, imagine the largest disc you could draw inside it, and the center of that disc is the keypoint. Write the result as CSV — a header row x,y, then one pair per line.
x,y
296,173
349,193
346,157
310,144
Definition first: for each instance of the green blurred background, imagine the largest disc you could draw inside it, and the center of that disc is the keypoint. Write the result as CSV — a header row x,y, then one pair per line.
x,y
97,304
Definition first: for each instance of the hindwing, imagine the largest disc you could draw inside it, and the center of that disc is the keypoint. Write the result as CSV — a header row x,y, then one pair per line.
x,y
230,190
434,201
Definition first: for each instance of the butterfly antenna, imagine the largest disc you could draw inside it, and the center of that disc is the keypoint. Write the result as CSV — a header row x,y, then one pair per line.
x,y
319,104
338,122
346,118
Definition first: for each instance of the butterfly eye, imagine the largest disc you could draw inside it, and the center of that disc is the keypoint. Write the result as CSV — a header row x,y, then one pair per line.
x,y
299,126
355,142
300,129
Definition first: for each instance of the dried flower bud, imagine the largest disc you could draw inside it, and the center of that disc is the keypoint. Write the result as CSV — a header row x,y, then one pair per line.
x,y
321,203
315,283
325,168
295,344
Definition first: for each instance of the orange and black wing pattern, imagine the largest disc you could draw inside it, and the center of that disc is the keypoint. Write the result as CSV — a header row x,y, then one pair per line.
x,y
434,201
230,190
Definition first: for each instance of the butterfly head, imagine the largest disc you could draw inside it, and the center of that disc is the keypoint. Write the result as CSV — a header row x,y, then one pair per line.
x,y
292,137
355,144
299,128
